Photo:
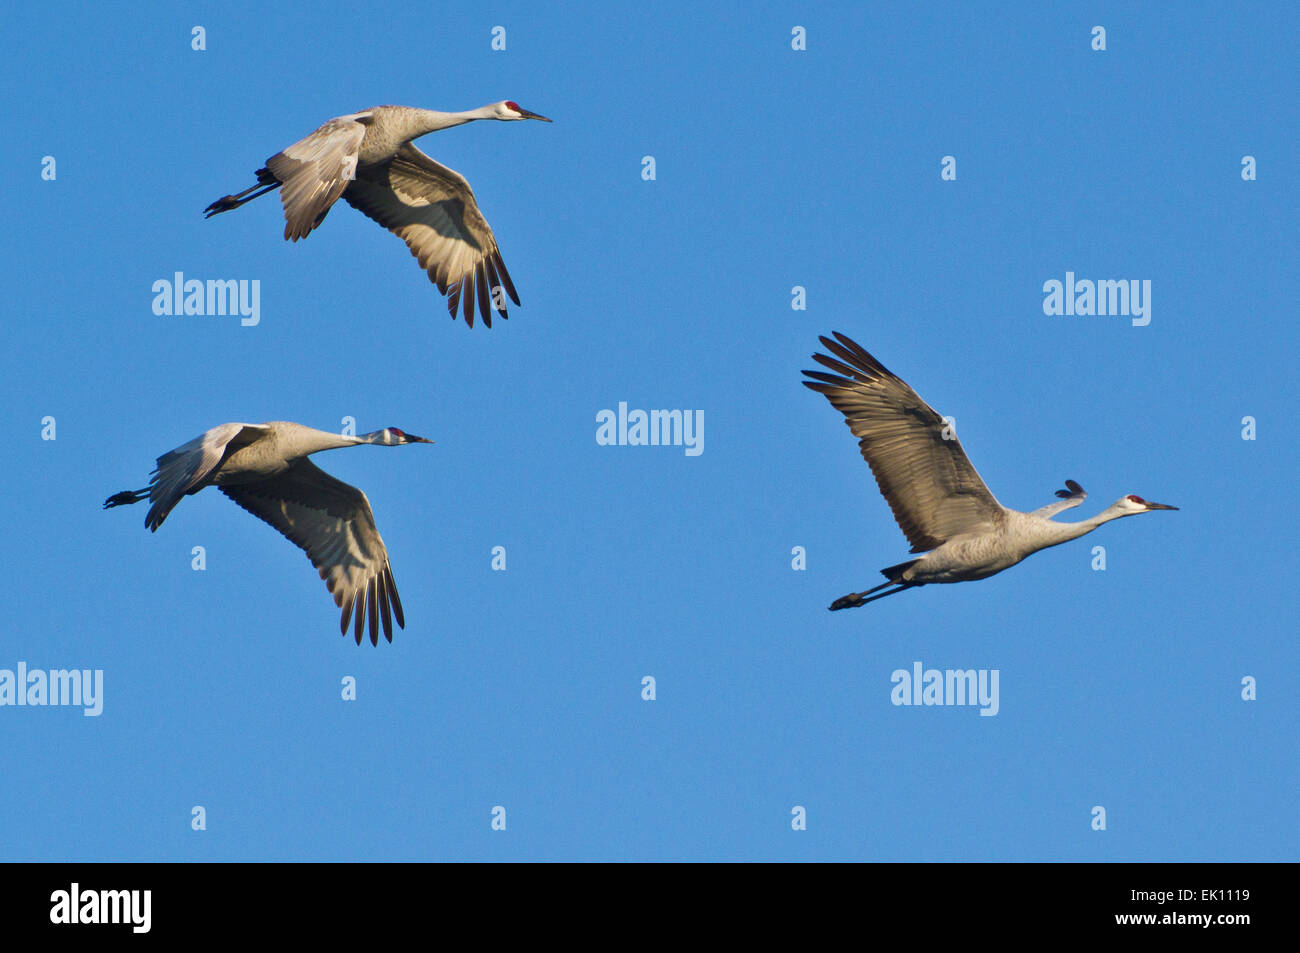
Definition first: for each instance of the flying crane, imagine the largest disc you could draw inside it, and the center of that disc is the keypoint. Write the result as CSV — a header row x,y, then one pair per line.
x,y
939,501
264,468
368,159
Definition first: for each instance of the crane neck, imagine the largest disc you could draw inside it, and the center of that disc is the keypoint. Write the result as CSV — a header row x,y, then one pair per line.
x,y
419,122
1064,532
317,440
307,440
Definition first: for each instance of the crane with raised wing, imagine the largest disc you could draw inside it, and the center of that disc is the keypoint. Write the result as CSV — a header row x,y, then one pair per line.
x,y
939,501
368,158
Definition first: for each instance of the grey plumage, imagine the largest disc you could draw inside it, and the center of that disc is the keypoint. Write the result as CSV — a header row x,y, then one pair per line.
x,y
938,499
368,159
264,468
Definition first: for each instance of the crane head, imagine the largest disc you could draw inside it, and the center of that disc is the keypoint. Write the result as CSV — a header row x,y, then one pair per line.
x,y
1135,504
394,437
512,110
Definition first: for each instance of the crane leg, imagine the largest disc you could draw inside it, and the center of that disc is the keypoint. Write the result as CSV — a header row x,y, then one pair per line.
x,y
125,497
855,599
227,202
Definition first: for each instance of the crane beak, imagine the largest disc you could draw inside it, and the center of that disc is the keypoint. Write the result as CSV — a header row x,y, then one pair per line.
x,y
414,439
527,115
1160,506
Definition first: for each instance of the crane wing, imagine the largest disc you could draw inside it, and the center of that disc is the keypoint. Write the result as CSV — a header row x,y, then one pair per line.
x,y
1070,497
188,468
927,480
331,522
432,209
313,172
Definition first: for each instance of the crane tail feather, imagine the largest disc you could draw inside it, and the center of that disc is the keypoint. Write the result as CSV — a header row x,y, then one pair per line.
x,y
495,280
384,611
822,383
372,605
853,352
453,301
895,573
505,277
467,292
346,617
392,593
481,286
852,373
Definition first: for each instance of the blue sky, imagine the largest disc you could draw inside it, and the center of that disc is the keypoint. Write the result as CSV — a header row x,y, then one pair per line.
x,y
775,168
